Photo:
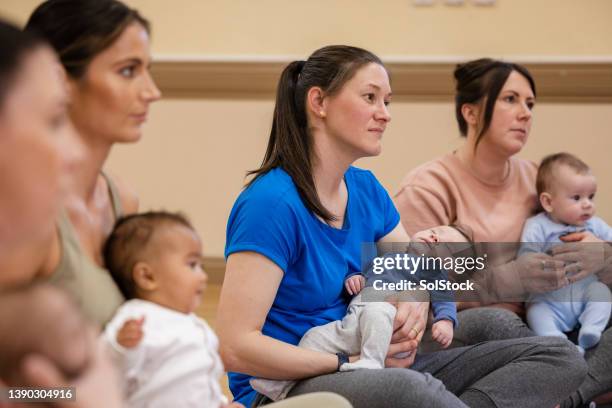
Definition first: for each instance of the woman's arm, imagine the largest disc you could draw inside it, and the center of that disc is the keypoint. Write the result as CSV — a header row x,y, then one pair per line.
x,y
398,234
410,319
249,288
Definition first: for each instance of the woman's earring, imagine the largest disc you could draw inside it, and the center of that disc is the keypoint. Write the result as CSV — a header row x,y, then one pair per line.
x,y
322,114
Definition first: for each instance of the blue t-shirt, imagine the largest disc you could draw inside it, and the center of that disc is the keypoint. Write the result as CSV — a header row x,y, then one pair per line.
x,y
270,218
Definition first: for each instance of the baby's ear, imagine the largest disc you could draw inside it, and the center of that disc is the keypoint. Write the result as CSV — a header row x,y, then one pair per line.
x,y
144,276
546,202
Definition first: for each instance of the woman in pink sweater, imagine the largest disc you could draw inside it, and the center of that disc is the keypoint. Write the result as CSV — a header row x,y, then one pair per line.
x,y
485,186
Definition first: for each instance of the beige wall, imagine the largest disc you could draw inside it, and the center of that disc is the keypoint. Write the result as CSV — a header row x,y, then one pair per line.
x,y
389,27
195,151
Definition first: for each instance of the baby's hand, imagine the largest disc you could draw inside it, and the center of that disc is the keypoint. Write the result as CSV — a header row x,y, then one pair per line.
x,y
130,334
442,332
354,284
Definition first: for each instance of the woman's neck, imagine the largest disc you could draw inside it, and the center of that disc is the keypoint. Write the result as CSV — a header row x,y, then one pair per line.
x,y
328,168
328,179
94,158
483,161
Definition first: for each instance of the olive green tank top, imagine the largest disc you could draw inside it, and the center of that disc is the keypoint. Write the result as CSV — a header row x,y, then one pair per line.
x,y
91,286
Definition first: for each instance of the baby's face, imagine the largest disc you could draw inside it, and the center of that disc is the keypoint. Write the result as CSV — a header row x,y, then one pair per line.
x,y
572,197
441,233
180,277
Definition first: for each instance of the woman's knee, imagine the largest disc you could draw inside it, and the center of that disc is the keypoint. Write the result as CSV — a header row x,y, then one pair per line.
x,y
382,388
565,355
421,389
315,399
606,336
490,323
490,316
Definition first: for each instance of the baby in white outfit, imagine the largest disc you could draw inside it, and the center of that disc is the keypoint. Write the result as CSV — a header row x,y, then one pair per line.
x,y
169,356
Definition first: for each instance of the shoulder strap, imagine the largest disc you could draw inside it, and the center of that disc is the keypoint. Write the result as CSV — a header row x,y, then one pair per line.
x,y
113,192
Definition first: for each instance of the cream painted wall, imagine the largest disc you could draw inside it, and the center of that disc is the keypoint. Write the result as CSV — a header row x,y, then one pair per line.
x,y
390,27
195,152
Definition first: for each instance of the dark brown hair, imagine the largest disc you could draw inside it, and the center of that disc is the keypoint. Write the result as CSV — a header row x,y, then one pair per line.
x,y
79,30
15,45
546,176
480,82
290,143
128,241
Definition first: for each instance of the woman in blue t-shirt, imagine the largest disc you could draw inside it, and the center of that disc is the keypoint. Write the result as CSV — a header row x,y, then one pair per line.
x,y
296,232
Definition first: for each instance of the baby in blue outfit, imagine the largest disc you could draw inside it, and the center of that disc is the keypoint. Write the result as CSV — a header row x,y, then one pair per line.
x,y
566,189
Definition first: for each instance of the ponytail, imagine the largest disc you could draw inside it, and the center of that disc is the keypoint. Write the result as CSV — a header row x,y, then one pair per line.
x,y
290,145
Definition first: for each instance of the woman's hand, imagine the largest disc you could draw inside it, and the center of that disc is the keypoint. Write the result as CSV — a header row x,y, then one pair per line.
x,y
583,236
408,328
410,319
583,254
540,273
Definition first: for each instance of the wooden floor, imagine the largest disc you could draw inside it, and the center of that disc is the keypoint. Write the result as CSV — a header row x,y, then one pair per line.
x,y
208,311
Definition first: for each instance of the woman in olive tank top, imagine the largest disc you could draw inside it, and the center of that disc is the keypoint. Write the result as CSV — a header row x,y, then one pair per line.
x,y
104,49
